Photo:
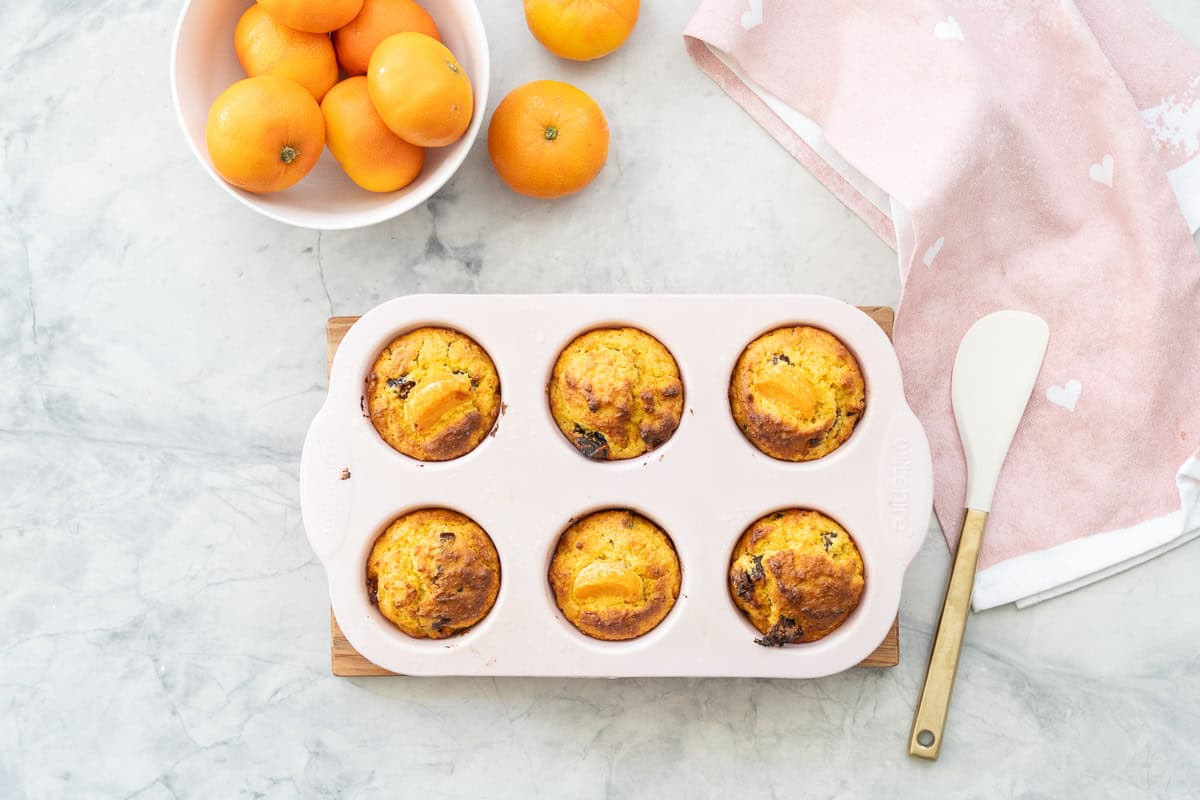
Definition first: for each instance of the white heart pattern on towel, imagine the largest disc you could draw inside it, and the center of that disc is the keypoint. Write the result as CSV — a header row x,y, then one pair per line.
x,y
1102,172
1066,395
948,29
753,17
933,251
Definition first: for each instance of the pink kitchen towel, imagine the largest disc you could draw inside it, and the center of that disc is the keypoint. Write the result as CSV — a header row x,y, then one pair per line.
x,y
1042,155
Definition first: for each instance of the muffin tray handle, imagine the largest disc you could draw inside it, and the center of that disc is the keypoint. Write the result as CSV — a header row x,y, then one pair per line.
x,y
908,491
326,485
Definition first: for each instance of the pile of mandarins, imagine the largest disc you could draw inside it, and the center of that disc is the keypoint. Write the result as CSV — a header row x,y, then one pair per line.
x,y
372,80
404,91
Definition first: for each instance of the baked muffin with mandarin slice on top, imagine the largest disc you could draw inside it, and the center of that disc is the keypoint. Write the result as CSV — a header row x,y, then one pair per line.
x,y
433,573
797,575
615,575
797,393
616,393
433,394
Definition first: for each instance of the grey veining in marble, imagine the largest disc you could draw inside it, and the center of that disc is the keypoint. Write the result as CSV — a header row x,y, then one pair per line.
x,y
163,628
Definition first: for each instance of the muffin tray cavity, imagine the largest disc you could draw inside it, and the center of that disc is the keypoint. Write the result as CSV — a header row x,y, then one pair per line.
x,y
526,483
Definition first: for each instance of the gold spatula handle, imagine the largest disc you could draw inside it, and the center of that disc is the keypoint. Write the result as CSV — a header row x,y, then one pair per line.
x,y
925,741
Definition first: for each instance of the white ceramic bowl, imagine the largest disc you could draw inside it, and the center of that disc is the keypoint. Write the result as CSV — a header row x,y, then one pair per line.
x,y
203,65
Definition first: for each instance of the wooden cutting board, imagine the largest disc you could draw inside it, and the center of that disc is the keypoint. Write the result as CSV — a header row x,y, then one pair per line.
x,y
347,662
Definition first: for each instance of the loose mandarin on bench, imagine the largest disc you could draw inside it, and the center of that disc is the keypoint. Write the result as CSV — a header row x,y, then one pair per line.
x,y
581,30
548,139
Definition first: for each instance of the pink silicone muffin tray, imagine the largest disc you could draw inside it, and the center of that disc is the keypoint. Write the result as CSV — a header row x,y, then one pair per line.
x,y
525,483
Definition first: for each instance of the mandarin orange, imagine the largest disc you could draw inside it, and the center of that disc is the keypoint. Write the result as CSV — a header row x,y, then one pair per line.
x,y
548,139
420,90
374,157
314,16
264,134
581,30
265,47
378,20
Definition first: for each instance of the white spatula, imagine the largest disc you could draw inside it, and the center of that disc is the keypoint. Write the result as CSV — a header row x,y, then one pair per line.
x,y
997,364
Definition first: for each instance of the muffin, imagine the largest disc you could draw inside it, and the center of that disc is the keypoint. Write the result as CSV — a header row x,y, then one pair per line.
x,y
797,393
615,575
433,394
433,573
797,575
615,393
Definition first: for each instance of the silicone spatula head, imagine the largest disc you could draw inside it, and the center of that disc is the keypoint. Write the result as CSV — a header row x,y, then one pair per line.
x,y
997,364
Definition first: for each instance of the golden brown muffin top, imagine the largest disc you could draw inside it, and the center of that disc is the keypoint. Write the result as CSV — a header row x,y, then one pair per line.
x,y
615,575
797,393
615,393
797,575
433,394
433,573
